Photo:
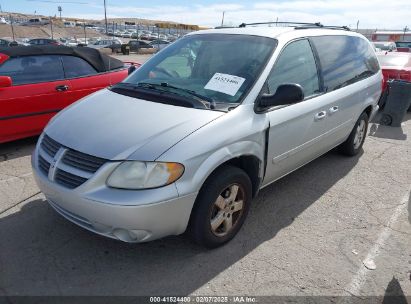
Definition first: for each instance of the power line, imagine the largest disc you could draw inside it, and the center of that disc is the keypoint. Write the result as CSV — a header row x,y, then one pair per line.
x,y
58,2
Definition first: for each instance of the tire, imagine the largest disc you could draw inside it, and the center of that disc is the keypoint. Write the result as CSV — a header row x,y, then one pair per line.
x,y
352,146
220,185
386,120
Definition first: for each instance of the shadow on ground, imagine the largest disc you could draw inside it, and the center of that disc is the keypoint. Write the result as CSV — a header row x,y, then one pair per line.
x,y
18,148
43,254
381,131
394,293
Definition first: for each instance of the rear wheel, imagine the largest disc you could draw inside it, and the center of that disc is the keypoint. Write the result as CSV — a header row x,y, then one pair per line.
x,y
221,207
352,146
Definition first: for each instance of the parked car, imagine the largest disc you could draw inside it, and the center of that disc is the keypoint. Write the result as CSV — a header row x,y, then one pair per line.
x,y
114,44
385,46
189,138
403,46
159,44
6,43
135,45
69,24
3,20
44,41
145,36
37,82
395,65
152,37
36,21
126,34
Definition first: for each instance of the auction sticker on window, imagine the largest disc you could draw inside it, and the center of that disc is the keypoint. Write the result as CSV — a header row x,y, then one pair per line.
x,y
225,83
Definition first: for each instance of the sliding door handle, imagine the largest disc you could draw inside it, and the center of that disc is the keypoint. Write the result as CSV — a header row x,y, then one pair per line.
x,y
333,109
320,115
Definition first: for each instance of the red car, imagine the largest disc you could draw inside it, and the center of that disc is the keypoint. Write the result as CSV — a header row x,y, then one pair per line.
x,y
395,65
36,82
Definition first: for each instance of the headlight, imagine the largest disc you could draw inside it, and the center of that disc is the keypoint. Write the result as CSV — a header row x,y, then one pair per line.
x,y
144,175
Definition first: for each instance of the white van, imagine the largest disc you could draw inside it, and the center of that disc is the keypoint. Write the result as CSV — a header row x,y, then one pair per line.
x,y
190,137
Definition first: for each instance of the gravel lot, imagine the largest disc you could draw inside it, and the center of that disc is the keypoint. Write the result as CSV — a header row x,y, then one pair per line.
x,y
307,234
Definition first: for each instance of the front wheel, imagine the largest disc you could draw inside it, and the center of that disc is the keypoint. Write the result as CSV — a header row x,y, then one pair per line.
x,y
221,207
355,141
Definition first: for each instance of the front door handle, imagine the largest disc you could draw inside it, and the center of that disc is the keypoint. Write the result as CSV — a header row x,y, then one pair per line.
x,y
320,115
333,109
62,88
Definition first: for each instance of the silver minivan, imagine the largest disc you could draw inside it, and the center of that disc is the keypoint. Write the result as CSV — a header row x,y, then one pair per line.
x,y
187,140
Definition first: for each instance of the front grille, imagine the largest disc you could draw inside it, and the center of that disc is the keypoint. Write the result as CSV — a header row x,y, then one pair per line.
x,y
73,168
68,180
83,161
44,165
50,145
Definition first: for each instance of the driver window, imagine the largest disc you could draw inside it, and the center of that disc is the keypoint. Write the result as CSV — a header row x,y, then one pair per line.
x,y
181,63
296,64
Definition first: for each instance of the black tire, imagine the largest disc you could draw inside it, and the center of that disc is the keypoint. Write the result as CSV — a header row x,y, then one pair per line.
x,y
386,120
199,227
349,147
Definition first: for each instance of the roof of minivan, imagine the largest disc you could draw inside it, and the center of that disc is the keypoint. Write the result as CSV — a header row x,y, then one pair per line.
x,y
277,32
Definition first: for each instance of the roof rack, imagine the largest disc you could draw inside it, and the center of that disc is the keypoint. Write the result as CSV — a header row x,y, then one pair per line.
x,y
299,25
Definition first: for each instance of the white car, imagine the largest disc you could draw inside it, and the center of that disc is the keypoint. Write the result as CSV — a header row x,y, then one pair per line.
x,y
126,35
105,43
3,21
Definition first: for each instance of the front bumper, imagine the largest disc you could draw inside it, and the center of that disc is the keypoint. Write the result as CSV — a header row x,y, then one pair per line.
x,y
137,220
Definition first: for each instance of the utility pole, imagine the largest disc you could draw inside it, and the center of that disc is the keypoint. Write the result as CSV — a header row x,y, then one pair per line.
x,y
358,22
51,27
405,30
85,34
105,15
222,20
12,27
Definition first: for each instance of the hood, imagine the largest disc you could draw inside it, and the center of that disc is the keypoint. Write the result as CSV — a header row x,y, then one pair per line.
x,y
118,127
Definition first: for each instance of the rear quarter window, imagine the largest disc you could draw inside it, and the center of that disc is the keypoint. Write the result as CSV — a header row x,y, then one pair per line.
x,y
77,67
345,60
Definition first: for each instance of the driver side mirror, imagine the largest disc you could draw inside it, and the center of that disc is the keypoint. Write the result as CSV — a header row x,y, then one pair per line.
x,y
5,81
286,94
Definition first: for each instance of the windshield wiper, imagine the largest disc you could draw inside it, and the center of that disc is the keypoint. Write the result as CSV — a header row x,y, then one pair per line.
x,y
137,91
206,101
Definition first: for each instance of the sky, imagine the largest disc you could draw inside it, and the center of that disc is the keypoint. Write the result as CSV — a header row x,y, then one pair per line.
x,y
381,14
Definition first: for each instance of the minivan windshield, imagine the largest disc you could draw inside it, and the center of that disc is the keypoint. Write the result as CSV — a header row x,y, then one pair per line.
x,y
218,68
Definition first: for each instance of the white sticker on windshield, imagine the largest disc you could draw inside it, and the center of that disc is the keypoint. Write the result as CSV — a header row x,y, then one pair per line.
x,y
225,83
